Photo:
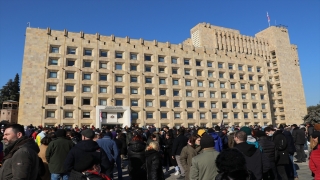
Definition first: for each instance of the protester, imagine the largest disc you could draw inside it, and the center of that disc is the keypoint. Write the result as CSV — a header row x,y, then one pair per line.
x,y
41,135
56,154
299,141
136,157
42,154
218,146
19,149
314,163
153,162
250,138
203,166
291,169
188,152
179,142
167,152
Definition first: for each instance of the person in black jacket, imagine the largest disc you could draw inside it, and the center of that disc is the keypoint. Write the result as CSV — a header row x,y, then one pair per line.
x,y
291,169
87,145
153,162
179,142
299,140
281,152
136,157
167,151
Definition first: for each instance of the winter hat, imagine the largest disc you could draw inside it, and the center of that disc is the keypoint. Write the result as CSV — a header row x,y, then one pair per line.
x,y
246,129
316,134
317,127
86,162
88,133
201,132
206,141
61,133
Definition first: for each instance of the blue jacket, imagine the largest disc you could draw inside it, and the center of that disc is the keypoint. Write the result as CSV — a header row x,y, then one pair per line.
x,y
109,146
218,146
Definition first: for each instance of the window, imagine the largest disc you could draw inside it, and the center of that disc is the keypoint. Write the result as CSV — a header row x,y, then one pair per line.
x,y
54,49
102,77
53,74
261,96
103,53
201,104
253,96
134,90
200,84
231,76
243,96
198,63
149,103
189,104
234,105
235,115
254,106
187,72
162,81
225,115
149,115
210,74
160,59
70,62
86,76
234,95
223,95
220,65
202,115
50,114
68,114
261,88
102,89
249,68
133,79
53,61
85,101
175,92
87,52
240,67
264,115
69,100
133,56
51,100
250,77
245,106
103,102
255,115
163,115
251,87
263,106
148,91
189,93
222,85
233,86
200,94
175,82
71,50
134,102
190,115
224,105
176,115
230,66
211,84
69,88
87,64
245,115
241,76
118,90
188,82
103,65
147,57
85,114
118,66
174,60
147,68
213,105
134,115
161,69
118,78
176,104
119,55
133,67
212,94
174,71
148,80
52,87
162,92
214,115
242,86
258,69
209,64
186,62
118,102
221,75
120,115
163,103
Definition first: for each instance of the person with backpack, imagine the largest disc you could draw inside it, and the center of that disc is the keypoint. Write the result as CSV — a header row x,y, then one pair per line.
x,y
218,146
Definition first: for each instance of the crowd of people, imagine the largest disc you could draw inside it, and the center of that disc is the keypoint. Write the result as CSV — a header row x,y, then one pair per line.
x,y
221,153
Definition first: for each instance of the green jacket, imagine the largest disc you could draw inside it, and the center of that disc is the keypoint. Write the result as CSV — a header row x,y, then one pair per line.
x,y
187,153
204,165
56,154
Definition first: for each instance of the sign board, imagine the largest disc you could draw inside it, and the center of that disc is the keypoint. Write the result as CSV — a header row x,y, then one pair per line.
x,y
112,118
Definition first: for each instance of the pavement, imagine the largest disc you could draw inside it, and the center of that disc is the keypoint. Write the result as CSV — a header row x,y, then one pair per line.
x,y
303,170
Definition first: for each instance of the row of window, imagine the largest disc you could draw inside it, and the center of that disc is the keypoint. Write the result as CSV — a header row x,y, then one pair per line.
x,y
164,115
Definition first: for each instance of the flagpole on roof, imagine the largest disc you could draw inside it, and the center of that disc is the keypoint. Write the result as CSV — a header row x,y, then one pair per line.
x,y
268,18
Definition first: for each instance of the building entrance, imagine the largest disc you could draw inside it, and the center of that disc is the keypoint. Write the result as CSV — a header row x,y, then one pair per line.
x,y
111,126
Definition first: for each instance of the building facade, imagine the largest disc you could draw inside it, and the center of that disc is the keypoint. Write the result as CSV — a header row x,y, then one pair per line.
x,y
9,111
217,74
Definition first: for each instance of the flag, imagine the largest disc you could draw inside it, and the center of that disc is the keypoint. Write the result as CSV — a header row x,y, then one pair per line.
x,y
100,116
222,124
268,17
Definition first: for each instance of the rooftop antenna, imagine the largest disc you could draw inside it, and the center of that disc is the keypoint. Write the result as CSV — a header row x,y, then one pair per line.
x,y
28,24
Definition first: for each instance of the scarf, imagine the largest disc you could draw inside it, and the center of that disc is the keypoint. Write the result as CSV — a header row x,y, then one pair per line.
x,y
11,149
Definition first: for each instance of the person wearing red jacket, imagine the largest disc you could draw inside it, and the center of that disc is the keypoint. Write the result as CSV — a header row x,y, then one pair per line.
x,y
314,162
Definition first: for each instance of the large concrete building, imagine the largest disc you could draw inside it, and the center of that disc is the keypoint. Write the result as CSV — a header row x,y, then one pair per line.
x,y
218,74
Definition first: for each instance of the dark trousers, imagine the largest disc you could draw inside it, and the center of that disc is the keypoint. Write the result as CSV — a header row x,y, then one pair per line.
x,y
300,152
282,172
272,173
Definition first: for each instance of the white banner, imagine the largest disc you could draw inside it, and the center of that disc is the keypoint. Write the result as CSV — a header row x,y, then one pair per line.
x,y
112,118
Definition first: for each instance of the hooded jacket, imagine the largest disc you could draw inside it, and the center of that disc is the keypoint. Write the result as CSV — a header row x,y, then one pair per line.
x,y
218,146
255,162
21,160
87,146
136,157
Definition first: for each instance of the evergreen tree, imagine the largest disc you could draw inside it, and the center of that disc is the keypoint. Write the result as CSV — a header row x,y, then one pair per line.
x,y
10,91
313,115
